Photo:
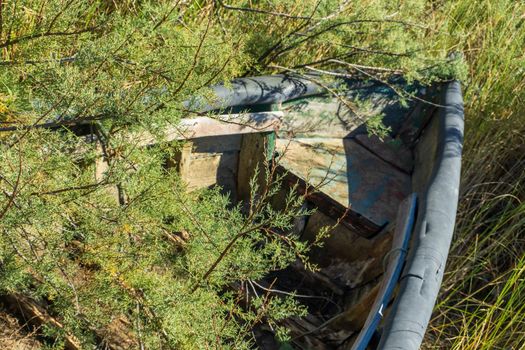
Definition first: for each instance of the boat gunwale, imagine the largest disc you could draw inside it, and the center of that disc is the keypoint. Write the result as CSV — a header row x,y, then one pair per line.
x,y
423,273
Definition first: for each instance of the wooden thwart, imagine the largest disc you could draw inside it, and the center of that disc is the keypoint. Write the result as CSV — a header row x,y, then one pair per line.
x,y
348,173
234,124
223,150
329,206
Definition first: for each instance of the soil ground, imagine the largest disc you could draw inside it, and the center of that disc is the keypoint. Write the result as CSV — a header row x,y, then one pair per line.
x,y
13,334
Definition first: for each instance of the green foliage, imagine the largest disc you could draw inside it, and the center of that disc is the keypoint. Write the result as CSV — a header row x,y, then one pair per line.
x,y
70,243
481,305
66,241
167,262
376,127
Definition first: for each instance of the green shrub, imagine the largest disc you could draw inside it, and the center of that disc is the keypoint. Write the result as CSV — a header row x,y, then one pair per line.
x,y
171,266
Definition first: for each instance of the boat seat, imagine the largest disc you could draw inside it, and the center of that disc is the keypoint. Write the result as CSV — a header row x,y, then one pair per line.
x,y
354,176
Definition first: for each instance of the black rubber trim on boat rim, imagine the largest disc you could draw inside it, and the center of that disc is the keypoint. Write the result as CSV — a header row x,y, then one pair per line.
x,y
421,280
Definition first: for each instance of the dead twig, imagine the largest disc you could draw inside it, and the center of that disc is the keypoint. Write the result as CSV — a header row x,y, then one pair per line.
x,y
259,11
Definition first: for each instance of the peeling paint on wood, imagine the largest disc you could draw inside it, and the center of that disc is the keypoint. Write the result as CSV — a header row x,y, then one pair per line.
x,y
392,151
349,174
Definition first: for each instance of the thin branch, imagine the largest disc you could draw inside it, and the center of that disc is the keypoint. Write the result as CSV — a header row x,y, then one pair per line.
x,y
259,11
38,124
15,187
58,60
10,42
359,67
58,14
68,189
195,58
292,32
324,60
399,92
221,69
278,291
165,17
336,25
380,52
225,252
334,93
47,125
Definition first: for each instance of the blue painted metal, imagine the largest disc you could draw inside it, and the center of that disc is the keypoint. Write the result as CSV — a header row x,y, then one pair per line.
x,y
391,278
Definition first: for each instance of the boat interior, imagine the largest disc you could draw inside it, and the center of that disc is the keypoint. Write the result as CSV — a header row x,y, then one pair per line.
x,y
359,184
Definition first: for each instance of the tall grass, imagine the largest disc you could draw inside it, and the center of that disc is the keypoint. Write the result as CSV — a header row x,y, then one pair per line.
x,y
483,294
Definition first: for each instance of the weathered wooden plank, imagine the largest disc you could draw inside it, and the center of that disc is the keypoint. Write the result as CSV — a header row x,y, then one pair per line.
x,y
348,258
207,170
328,116
355,316
253,155
329,206
202,128
392,151
212,155
348,173
209,161
395,258
182,160
323,116
235,124
318,161
419,116
217,144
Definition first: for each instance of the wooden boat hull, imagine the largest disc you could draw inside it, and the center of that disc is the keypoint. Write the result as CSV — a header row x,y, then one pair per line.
x,y
381,193
391,202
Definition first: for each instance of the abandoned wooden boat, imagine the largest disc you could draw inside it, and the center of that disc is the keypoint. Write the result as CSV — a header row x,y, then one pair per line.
x,y
394,199
391,201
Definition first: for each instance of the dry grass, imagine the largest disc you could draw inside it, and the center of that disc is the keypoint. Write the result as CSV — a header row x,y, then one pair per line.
x,y
483,294
13,336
